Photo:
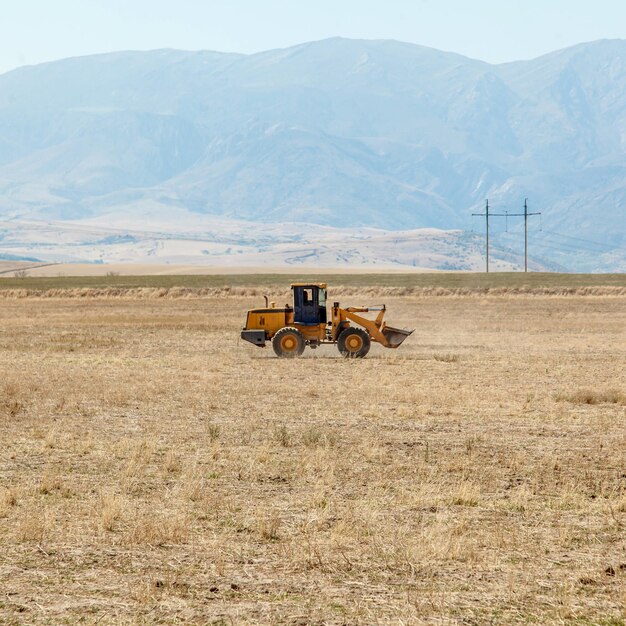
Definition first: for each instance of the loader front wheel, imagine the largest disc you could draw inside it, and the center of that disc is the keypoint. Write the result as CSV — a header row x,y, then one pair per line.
x,y
354,343
288,342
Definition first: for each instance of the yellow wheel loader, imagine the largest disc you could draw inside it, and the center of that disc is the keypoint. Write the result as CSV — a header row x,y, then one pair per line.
x,y
307,323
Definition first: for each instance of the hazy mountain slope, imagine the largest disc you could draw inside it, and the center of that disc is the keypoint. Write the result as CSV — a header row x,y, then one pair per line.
x,y
338,132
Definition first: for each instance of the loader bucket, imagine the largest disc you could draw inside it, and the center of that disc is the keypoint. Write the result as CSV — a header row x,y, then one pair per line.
x,y
395,336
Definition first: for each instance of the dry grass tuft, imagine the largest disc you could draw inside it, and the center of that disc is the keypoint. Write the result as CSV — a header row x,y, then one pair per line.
x,y
268,525
447,358
12,400
11,408
213,431
314,437
33,525
172,463
52,483
466,494
110,510
282,436
158,528
8,501
589,396
193,484
139,455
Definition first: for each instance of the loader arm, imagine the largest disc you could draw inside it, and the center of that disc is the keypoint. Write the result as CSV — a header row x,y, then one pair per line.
x,y
373,327
366,309
377,329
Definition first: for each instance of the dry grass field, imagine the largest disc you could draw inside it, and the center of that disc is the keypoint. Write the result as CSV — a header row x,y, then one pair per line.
x,y
155,469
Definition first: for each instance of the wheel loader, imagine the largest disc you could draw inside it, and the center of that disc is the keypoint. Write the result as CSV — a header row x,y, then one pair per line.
x,y
307,323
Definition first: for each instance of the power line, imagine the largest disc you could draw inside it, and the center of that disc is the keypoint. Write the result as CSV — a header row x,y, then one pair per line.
x,y
552,245
549,240
587,241
506,215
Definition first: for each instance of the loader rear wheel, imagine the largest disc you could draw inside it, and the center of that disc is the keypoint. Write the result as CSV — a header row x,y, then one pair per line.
x,y
354,343
288,342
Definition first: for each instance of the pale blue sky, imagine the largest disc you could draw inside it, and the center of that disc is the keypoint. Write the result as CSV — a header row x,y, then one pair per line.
x,y
33,31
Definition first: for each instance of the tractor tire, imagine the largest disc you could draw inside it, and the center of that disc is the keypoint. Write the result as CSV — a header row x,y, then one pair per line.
x,y
288,343
354,343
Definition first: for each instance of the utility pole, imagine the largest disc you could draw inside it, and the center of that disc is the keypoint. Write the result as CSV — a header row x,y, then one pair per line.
x,y
525,234
486,216
487,231
506,215
526,214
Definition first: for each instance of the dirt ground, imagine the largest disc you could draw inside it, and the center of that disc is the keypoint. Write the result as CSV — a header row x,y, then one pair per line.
x,y
155,469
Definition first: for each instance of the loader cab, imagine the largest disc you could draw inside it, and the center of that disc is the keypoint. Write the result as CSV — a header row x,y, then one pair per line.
x,y
309,304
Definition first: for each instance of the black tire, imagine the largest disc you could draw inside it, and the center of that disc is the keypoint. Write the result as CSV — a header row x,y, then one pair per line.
x,y
354,343
288,343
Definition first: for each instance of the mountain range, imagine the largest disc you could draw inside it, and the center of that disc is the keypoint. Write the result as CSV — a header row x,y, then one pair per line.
x,y
345,134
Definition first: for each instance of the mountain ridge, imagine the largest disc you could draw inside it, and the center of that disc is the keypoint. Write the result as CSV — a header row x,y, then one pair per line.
x,y
341,132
